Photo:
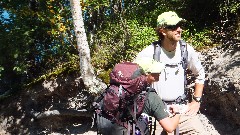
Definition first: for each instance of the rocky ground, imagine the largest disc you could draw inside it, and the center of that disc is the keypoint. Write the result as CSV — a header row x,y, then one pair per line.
x,y
58,106
222,90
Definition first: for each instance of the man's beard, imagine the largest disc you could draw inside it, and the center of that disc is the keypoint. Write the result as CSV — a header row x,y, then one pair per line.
x,y
173,38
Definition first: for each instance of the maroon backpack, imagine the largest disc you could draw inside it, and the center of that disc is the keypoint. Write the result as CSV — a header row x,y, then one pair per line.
x,y
127,87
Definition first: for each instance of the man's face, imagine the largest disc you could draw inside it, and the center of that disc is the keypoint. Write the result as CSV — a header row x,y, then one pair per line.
x,y
155,76
152,77
173,32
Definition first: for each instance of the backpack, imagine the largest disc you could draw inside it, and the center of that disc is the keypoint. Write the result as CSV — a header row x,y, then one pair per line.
x,y
122,101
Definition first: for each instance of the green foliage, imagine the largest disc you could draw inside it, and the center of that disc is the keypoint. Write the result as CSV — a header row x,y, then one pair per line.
x,y
109,45
199,39
229,12
34,39
141,36
1,69
66,67
104,76
120,42
37,39
231,7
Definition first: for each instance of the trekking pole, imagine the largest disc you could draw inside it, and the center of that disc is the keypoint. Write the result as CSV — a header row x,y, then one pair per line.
x,y
154,125
150,124
176,132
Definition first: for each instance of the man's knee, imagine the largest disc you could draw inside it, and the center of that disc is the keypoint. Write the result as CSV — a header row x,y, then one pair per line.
x,y
191,125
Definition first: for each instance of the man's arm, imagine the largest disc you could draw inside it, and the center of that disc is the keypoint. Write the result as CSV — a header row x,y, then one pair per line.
x,y
155,107
198,90
169,124
196,67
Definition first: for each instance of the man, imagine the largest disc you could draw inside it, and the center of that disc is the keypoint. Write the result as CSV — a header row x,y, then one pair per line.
x,y
153,104
171,82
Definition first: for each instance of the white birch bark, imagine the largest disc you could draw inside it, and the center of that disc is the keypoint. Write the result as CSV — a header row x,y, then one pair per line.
x,y
86,69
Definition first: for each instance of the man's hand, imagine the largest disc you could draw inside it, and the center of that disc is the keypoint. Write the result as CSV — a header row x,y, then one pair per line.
x,y
173,109
193,108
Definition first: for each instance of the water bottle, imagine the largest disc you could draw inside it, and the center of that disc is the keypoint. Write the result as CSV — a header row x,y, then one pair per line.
x,y
137,131
142,123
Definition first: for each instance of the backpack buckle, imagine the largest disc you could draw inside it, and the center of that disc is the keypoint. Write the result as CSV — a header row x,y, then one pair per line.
x,y
181,99
172,65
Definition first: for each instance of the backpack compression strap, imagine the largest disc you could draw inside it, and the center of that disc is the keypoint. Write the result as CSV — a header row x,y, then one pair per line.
x,y
157,50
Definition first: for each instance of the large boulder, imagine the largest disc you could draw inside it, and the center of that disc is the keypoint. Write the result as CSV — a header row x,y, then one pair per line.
x,y
221,100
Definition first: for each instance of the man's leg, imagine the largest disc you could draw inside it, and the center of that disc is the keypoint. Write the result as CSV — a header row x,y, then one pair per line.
x,y
191,125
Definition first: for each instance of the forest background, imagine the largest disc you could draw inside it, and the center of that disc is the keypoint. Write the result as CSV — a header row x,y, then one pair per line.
x,y
38,41
42,86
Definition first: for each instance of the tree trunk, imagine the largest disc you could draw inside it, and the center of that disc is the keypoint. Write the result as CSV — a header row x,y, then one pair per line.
x,y
91,83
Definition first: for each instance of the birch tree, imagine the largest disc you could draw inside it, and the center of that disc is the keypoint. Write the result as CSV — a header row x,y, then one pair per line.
x,y
91,83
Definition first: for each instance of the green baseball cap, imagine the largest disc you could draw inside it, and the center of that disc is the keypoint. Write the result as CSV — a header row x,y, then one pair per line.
x,y
149,65
168,18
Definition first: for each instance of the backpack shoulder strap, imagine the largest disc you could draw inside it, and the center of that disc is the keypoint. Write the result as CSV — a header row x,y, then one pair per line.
x,y
157,50
184,55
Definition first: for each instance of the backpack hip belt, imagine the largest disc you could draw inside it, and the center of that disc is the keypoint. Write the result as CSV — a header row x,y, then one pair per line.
x,y
180,100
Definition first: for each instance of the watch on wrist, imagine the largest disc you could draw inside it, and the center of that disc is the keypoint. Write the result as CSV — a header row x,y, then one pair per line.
x,y
177,113
197,99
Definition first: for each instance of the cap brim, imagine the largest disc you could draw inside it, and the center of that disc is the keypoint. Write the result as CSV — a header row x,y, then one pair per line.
x,y
149,65
182,20
157,67
175,21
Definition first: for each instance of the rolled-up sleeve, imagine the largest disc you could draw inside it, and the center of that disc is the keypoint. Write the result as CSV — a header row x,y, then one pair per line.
x,y
194,64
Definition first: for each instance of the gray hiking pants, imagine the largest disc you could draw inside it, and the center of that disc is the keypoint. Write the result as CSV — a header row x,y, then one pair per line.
x,y
106,127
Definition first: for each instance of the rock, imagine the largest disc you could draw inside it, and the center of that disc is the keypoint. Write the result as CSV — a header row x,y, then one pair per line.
x,y
222,92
